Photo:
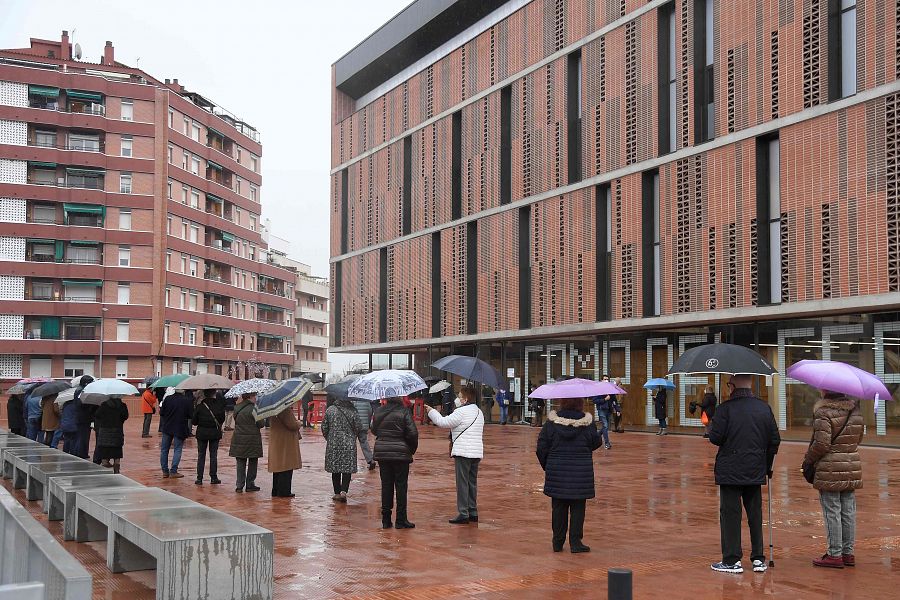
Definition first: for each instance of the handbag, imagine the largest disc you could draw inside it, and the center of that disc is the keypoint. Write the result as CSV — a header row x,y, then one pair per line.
x,y
704,419
809,470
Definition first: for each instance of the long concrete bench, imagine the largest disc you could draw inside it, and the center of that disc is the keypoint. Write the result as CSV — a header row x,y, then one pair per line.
x,y
197,552
60,505
40,473
22,462
28,552
33,590
8,454
94,509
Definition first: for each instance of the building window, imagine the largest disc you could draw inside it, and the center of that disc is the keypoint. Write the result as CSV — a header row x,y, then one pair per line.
x,y
192,336
195,165
124,293
184,264
254,164
122,331
166,333
169,225
195,266
169,190
125,183
187,126
182,300
573,110
841,48
253,192
121,368
651,238
125,219
171,119
192,302
184,160
704,80
184,194
237,184
168,261
768,216
239,154
195,233
127,109
667,85
195,132
252,223
76,367
184,230
127,145
181,335
168,296
195,199
124,256
169,155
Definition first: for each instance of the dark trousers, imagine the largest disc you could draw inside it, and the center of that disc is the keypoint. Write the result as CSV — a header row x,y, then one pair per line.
x,y
202,447
17,431
662,423
246,472
70,442
467,486
84,440
394,477
48,437
340,482
617,423
281,483
730,498
306,414
567,515
148,418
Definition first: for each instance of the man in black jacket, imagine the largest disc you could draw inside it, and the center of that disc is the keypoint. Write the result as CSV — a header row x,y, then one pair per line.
x,y
744,428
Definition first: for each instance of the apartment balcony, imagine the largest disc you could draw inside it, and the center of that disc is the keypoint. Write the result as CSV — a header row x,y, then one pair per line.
x,y
54,328
311,314
78,215
57,251
313,366
313,286
217,308
76,145
40,173
308,340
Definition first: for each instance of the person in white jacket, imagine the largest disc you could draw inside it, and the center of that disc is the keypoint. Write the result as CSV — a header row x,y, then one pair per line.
x,y
466,425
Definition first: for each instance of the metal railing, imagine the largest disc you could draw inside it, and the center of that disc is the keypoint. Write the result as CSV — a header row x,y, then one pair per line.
x,y
80,147
96,184
50,258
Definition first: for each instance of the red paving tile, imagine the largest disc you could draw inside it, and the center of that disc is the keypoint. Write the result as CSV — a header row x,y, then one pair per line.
x,y
656,513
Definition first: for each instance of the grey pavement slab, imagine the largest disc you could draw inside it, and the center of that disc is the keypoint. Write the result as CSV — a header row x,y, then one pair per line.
x,y
38,474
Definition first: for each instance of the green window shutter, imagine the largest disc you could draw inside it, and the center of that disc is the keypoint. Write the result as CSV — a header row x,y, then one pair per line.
x,y
50,328
60,250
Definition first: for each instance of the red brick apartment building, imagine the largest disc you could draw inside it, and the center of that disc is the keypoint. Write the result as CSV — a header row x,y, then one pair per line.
x,y
579,187
129,226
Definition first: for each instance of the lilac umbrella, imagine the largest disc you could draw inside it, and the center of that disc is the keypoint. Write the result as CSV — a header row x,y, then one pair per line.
x,y
839,377
575,388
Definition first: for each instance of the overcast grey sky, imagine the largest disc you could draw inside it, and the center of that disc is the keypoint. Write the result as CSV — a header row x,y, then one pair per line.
x,y
268,62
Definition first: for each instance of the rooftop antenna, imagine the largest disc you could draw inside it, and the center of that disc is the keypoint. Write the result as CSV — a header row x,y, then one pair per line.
x,y
76,52
138,61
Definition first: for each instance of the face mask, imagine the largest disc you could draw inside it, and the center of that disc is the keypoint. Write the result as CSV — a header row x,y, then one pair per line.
x,y
457,403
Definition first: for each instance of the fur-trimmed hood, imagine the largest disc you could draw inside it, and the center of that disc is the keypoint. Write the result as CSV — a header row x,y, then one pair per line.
x,y
584,421
842,404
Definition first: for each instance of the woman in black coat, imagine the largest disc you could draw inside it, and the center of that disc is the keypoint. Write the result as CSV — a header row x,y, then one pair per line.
x,y
564,449
208,418
396,440
660,409
708,406
109,419
15,409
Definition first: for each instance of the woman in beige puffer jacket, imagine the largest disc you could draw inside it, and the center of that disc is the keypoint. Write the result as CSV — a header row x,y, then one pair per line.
x,y
833,451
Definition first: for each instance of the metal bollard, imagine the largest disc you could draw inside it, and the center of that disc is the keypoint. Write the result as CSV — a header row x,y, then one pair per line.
x,y
619,584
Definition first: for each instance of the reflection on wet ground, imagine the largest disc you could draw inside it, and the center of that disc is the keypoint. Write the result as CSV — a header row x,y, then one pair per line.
x,y
656,512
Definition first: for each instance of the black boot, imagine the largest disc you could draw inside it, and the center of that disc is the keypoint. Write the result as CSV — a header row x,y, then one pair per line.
x,y
403,522
386,519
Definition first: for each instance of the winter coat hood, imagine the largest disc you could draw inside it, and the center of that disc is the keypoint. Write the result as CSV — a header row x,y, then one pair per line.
x,y
570,421
564,449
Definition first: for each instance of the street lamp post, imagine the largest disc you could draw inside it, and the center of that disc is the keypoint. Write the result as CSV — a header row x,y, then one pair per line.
x,y
102,319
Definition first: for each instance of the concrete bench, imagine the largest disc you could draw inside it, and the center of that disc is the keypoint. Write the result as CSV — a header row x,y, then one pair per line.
x,y
39,474
28,552
7,455
62,495
21,463
197,552
94,508
33,590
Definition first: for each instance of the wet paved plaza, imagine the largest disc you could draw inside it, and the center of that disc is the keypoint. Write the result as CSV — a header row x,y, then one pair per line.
x,y
656,512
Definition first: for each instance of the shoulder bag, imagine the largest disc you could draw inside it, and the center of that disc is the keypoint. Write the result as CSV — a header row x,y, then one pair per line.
x,y
809,471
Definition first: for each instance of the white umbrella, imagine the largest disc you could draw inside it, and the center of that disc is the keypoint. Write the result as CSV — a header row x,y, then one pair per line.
x,y
251,386
389,383
99,390
440,386
65,396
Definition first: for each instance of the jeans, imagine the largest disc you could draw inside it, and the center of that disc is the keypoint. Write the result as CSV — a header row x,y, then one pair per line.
x,y
148,418
70,442
83,441
567,515
164,446
839,510
394,476
363,437
340,482
467,486
246,472
202,446
504,413
662,423
603,418
56,438
281,484
33,429
730,497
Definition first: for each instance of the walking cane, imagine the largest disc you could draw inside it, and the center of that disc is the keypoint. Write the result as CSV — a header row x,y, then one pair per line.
x,y
771,546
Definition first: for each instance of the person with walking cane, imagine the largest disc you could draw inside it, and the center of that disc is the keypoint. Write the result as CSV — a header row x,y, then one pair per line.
x,y
745,431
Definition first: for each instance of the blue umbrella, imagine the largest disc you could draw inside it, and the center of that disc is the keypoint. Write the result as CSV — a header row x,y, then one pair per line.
x,y
282,396
659,382
471,368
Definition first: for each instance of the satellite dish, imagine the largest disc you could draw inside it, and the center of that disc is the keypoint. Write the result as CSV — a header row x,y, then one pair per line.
x,y
77,52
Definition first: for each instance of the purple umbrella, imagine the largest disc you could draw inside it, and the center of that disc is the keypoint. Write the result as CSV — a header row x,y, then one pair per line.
x,y
576,388
839,377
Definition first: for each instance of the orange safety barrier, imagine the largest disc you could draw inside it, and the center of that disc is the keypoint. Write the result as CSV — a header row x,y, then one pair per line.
x,y
316,411
419,410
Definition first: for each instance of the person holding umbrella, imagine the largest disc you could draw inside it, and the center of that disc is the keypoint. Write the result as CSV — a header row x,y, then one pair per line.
x,y
745,431
284,451
660,409
209,415
50,420
176,412
85,416
246,443
466,426
109,420
708,408
68,423
33,412
396,441
340,428
15,409
502,399
148,408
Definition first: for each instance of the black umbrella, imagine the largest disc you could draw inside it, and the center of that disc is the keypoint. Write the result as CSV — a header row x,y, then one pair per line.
x,y
313,377
470,368
50,388
431,380
339,390
722,358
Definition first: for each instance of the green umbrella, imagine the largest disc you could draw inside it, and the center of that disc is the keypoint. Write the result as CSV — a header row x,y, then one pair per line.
x,y
169,380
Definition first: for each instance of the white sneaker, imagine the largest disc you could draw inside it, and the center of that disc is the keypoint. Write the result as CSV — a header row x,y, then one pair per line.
x,y
759,566
723,568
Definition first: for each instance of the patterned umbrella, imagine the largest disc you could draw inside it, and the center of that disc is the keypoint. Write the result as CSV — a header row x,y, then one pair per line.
x,y
49,388
285,394
99,390
24,385
389,383
251,386
169,380
205,381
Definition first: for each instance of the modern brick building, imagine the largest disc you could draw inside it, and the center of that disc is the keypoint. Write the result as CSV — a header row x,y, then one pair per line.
x,y
577,187
129,226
